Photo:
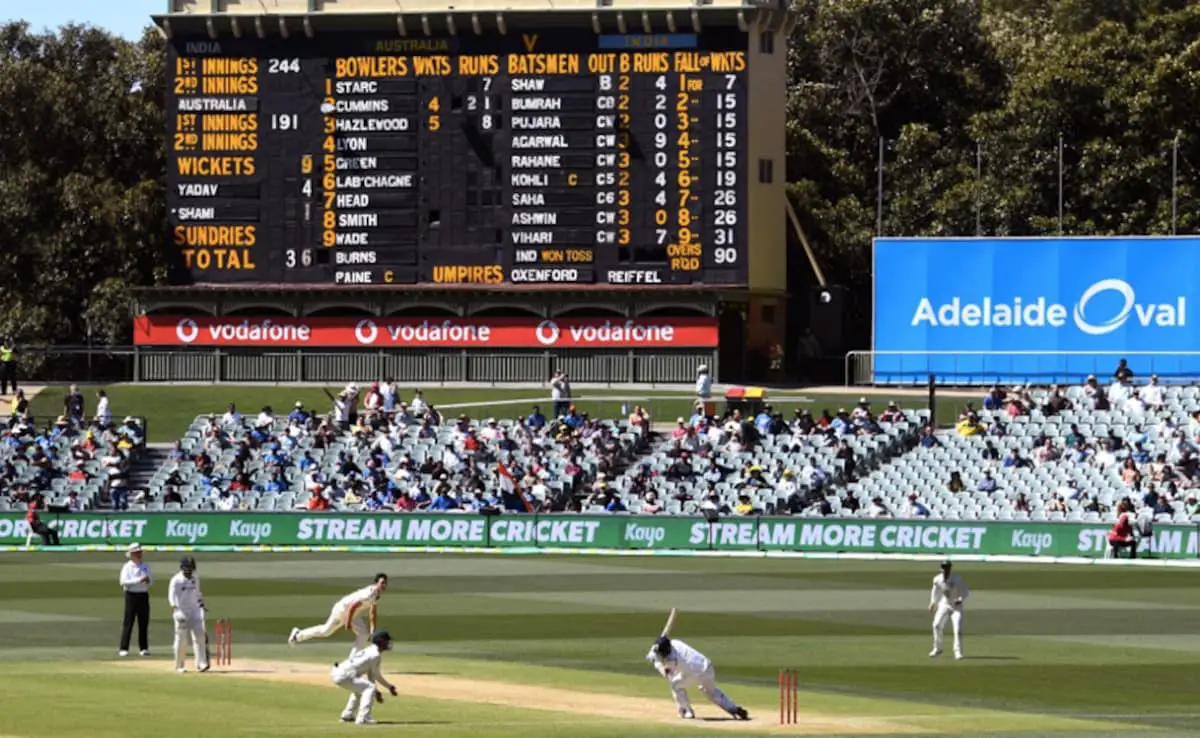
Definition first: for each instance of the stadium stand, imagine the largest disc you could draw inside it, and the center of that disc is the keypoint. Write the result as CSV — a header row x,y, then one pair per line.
x,y
1050,454
74,465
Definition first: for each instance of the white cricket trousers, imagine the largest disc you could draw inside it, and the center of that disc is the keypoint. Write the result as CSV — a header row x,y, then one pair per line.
x,y
955,615
190,623
341,617
707,682
362,695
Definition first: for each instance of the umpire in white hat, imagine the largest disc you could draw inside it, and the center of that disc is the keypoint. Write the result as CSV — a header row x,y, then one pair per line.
x,y
136,580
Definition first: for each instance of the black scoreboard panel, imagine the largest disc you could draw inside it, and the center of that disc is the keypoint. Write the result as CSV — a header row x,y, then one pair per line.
x,y
551,157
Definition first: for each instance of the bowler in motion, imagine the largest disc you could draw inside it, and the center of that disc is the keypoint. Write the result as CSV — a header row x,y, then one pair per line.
x,y
348,613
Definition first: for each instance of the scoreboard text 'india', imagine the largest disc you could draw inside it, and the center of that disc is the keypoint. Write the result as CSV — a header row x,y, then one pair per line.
x,y
556,156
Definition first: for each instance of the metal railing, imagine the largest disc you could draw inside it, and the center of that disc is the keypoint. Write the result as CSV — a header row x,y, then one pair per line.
x,y
974,368
429,366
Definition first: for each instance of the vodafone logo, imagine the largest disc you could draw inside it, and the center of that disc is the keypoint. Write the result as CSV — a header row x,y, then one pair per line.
x,y
548,333
187,330
366,332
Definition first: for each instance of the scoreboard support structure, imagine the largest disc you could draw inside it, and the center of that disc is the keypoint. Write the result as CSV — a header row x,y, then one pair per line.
x,y
599,159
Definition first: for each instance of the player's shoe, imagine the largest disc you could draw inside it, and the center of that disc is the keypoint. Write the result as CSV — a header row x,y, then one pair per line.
x,y
180,670
739,713
143,652
365,721
122,654
347,717
958,655
292,639
935,652
686,714
204,668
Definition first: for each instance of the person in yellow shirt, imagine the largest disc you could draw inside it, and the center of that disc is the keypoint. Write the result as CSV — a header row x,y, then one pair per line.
x,y
8,366
970,426
744,506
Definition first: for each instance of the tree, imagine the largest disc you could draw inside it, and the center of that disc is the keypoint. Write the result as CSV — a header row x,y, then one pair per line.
x,y
82,210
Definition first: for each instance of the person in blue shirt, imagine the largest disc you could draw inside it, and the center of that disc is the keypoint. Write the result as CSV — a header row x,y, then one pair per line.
x,y
444,500
614,504
987,484
573,419
307,462
535,420
762,421
373,502
275,484
1140,455
422,499
1014,461
298,413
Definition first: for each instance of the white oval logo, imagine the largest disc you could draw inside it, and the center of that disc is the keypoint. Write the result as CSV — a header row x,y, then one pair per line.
x,y
366,331
1119,286
548,333
187,330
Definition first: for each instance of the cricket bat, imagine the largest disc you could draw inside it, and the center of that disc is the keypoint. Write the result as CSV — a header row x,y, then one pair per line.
x,y
670,624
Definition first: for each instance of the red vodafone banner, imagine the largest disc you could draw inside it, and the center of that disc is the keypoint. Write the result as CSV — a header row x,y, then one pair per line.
x,y
161,330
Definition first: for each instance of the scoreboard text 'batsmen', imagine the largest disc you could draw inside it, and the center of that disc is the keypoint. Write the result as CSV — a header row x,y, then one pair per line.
x,y
551,157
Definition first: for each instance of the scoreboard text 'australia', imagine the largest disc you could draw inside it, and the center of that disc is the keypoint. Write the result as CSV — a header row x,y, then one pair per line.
x,y
559,156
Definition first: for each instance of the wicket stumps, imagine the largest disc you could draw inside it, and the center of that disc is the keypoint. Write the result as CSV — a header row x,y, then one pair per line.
x,y
224,633
788,696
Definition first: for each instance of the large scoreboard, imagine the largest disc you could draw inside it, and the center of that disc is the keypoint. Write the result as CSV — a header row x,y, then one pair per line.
x,y
557,156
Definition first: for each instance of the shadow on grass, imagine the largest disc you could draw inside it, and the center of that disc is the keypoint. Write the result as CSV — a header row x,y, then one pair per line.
x,y
991,658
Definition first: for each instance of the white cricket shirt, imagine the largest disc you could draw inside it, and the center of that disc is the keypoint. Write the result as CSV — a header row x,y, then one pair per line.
x,y
184,593
947,592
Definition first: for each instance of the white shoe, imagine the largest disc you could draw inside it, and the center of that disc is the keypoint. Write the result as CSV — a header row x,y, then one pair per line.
x,y
958,655
180,670
143,652
935,652
347,717
687,714
365,721
122,654
292,638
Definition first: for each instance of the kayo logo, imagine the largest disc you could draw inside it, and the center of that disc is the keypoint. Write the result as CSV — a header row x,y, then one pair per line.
x,y
1095,313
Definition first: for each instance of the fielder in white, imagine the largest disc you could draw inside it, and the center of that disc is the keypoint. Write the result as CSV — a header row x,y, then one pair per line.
x,y
187,610
359,674
946,601
348,613
683,666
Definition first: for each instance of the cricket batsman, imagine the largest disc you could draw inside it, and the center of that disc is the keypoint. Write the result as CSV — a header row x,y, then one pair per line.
x,y
348,613
946,601
359,674
683,666
187,610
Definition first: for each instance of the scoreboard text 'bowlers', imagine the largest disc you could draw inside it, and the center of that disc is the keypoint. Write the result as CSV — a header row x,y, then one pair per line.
x,y
551,157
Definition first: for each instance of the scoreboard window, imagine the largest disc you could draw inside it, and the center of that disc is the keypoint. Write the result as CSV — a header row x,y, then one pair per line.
x,y
551,157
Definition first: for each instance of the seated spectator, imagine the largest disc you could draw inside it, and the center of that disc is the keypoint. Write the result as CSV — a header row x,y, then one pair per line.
x,y
967,411
172,496
1191,505
72,502
955,484
1069,490
928,439
915,508
1152,395
1056,402
1129,473
1058,504
614,504
265,419
970,426
713,504
744,506
226,501
1046,453
990,453
1080,454
317,502
1014,460
987,484
1105,457
231,418
893,414
650,503
877,509
1021,503
997,430
1139,454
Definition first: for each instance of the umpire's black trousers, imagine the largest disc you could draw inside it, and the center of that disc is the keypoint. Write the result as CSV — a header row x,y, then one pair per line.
x,y
8,376
137,605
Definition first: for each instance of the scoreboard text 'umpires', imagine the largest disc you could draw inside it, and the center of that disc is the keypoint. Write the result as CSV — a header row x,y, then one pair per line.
x,y
556,156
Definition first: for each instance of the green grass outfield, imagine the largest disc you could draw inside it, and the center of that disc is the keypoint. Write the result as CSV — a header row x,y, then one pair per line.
x,y
553,646
169,409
